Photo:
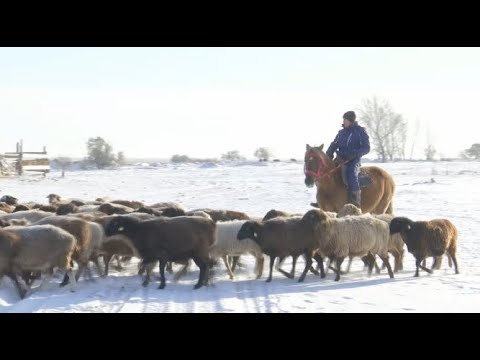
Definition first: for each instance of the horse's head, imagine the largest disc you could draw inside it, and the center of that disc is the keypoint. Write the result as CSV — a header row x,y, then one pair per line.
x,y
316,164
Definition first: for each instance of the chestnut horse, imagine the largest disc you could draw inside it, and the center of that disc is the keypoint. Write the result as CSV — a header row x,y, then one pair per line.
x,y
331,191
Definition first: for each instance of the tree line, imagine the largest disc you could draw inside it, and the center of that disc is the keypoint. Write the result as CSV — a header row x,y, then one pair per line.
x,y
387,130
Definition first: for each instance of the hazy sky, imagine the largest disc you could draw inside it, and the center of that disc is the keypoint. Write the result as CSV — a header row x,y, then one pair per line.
x,y
156,102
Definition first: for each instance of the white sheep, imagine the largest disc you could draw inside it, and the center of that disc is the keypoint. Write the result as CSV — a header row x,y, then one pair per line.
x,y
349,236
226,245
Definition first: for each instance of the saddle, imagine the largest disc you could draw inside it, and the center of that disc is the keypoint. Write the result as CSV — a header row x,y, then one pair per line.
x,y
364,180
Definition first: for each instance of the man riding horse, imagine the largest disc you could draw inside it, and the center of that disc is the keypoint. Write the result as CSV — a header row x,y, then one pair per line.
x,y
350,144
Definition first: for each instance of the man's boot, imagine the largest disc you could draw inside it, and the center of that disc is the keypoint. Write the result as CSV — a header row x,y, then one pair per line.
x,y
355,198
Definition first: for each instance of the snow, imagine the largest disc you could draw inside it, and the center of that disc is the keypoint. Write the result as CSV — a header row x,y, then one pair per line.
x,y
255,188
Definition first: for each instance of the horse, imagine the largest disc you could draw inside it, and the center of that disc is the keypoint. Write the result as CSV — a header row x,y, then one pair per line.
x,y
376,198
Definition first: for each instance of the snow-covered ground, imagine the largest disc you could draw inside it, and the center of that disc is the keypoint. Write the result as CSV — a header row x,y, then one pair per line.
x,y
256,188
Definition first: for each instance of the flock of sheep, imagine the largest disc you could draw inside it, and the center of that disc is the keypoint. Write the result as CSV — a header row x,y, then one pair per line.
x,y
36,239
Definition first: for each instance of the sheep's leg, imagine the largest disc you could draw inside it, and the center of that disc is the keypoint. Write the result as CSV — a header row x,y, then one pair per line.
x,y
97,264
426,269
280,261
272,262
119,266
45,280
66,280
318,258
235,262
327,265
259,265
377,269
308,264
292,271
106,261
170,267
349,265
147,275
161,267
454,259
437,263
80,270
181,272
449,260
22,291
339,265
417,264
400,266
396,261
202,277
227,265
387,264
73,283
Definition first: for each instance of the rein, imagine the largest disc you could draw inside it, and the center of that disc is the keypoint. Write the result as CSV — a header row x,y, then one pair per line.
x,y
318,173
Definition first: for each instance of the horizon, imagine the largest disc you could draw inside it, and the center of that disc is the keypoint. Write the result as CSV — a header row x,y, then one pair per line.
x,y
203,102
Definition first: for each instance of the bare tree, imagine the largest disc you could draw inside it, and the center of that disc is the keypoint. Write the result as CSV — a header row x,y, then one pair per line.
x,y
64,162
386,128
472,152
263,154
121,160
416,131
430,152
232,155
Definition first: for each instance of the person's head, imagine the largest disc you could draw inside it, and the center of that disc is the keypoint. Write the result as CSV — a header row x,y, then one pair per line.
x,y
349,118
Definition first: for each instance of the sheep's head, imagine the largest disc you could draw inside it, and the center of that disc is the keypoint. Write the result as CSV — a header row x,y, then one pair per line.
x,y
314,217
53,198
272,214
21,207
10,200
65,209
349,209
249,230
116,226
172,212
400,224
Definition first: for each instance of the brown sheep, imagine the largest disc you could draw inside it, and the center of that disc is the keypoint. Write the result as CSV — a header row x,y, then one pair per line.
x,y
21,207
222,215
81,230
278,213
282,237
32,249
64,209
110,209
168,239
130,204
427,238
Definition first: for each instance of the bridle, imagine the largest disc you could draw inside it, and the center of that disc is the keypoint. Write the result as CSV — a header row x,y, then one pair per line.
x,y
322,165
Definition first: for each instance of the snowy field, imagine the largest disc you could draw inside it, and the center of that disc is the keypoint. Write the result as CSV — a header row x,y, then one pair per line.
x,y
255,188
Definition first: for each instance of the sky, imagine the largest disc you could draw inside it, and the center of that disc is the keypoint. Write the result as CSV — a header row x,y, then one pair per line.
x,y
203,102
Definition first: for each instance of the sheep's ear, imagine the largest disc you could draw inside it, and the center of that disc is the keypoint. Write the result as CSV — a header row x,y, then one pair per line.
x,y
321,147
